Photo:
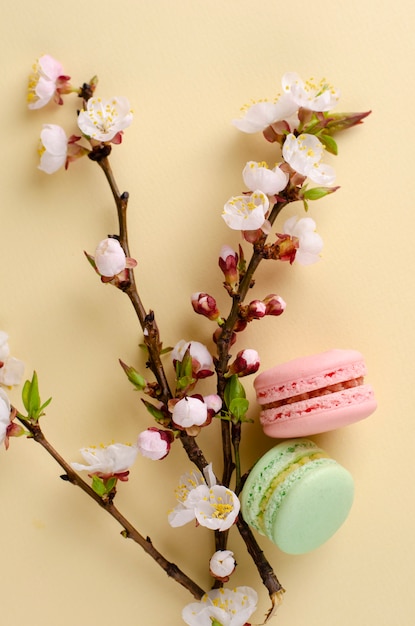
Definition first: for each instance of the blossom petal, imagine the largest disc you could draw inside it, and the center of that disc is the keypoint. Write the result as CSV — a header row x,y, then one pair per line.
x,y
259,176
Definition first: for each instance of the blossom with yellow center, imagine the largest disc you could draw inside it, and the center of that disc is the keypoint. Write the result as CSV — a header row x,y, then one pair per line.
x,y
310,94
47,82
213,506
227,607
104,120
304,154
246,212
261,177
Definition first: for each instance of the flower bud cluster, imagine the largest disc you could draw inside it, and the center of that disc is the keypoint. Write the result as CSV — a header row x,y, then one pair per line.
x,y
256,309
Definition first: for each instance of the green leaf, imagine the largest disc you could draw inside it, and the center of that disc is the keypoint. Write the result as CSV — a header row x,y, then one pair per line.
x,y
317,192
239,407
98,486
158,415
31,399
45,404
25,394
110,484
329,143
234,389
34,398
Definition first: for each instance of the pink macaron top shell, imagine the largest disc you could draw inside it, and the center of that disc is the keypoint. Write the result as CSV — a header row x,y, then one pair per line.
x,y
320,413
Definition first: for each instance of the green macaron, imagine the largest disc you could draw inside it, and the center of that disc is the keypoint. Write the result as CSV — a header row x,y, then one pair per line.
x,y
297,496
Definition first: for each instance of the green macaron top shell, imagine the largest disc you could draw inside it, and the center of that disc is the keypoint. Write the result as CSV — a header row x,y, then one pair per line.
x,y
297,496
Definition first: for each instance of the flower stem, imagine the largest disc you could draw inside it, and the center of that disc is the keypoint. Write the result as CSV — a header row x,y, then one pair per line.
x,y
129,531
147,319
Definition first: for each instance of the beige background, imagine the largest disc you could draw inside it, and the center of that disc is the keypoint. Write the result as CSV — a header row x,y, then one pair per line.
x,y
187,66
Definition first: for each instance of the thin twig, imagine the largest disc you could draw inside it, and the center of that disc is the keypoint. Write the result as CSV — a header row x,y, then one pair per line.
x,y
129,531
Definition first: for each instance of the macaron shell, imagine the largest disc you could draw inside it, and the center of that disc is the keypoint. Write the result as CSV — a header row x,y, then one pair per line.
x,y
297,496
311,508
319,414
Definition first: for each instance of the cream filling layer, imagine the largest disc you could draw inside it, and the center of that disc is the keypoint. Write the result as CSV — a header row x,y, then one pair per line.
x,y
280,478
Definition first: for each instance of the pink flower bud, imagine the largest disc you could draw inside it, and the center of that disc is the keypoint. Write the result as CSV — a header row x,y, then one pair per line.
x,y
213,403
204,304
110,258
275,305
228,263
246,362
256,309
154,443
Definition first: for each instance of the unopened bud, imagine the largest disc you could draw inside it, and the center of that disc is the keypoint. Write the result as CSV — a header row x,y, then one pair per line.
x,y
154,443
274,304
228,263
246,362
110,258
133,376
204,304
256,310
222,564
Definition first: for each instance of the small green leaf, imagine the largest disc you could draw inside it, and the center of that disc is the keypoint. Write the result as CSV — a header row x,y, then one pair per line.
x,y
45,404
34,399
98,486
110,484
166,350
234,389
25,394
315,193
329,143
239,407
158,415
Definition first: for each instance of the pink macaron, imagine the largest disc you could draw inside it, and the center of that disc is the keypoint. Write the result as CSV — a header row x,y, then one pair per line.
x,y
314,394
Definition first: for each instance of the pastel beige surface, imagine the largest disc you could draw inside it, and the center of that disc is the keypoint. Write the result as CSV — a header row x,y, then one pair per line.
x,y
187,67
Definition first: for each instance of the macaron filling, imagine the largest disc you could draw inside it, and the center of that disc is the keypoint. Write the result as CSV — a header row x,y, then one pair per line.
x,y
279,480
323,391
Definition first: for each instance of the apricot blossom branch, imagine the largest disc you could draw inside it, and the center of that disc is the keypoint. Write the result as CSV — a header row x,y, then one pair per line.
x,y
106,503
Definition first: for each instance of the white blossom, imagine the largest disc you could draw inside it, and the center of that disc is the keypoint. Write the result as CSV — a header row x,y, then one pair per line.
x,y
304,154
222,564
110,258
246,212
53,149
310,242
110,460
104,119
311,95
213,506
228,607
259,176
46,82
260,115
